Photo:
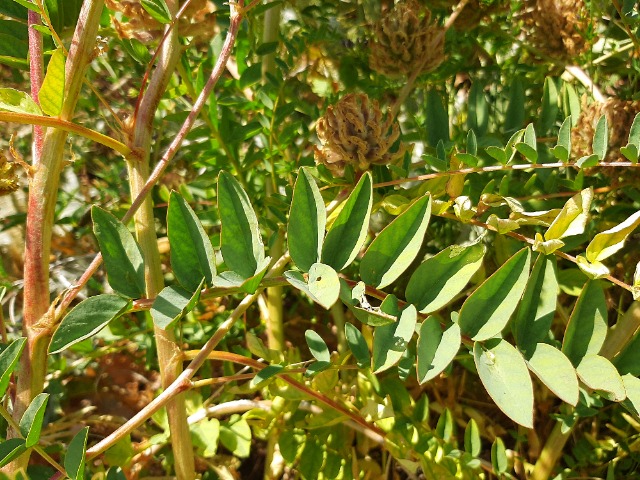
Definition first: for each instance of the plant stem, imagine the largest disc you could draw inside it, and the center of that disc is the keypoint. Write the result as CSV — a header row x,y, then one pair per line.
x,y
337,312
36,67
43,192
169,353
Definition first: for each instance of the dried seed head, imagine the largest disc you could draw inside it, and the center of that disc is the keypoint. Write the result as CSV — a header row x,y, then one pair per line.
x,y
406,40
8,177
355,132
619,114
558,27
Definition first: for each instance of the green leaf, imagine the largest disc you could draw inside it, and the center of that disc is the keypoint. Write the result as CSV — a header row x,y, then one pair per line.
x,y
436,349
472,143
290,442
374,316
437,119
472,439
395,248
8,361
573,217
31,421
632,387
236,436
51,94
440,278
598,373
538,306
192,255
241,242
570,103
235,280
88,318
18,8
487,310
158,10
514,118
317,347
265,374
528,148
478,113
634,132
74,461
172,304
504,374
357,345
588,161
390,341
312,455
16,101
11,449
349,230
601,138
499,459
323,286
445,425
549,106
562,150
121,253
307,222
554,369
587,328
207,434
498,153
630,152
610,241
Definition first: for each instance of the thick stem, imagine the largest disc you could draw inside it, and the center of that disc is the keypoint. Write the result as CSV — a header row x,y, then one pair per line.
x,y
551,453
169,354
36,67
43,192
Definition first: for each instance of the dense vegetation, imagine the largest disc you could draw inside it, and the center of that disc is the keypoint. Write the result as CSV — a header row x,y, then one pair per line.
x,y
316,239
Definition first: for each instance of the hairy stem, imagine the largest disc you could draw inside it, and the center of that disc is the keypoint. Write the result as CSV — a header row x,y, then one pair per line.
x,y
36,67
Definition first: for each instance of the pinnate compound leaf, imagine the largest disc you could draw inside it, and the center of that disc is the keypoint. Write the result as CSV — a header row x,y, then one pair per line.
x,y
74,461
488,309
241,242
51,93
307,222
587,328
440,278
505,376
349,229
172,304
88,318
192,256
121,254
8,361
554,369
317,346
436,349
537,308
601,138
607,243
598,373
323,285
357,345
31,421
12,100
390,341
573,216
11,449
393,250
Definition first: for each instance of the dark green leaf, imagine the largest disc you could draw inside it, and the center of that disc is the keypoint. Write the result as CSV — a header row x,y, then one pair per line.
x,y
241,242
251,76
357,345
478,114
499,459
31,421
436,349
437,119
157,9
172,304
562,150
549,106
472,143
8,361
11,449
601,138
307,222
395,248
192,255
487,311
317,347
588,161
74,461
313,454
390,341
514,118
349,229
265,374
472,440
121,253
554,369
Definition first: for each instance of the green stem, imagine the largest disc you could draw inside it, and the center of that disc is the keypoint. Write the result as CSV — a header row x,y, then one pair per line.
x,y
43,192
339,319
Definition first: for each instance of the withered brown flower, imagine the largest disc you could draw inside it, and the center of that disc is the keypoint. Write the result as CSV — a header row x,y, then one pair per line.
x,y
8,177
355,132
404,40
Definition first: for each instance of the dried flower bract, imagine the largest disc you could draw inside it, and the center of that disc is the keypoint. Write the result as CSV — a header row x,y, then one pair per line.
x,y
8,177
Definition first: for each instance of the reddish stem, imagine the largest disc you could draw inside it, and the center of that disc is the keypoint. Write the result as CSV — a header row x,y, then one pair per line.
x,y
36,68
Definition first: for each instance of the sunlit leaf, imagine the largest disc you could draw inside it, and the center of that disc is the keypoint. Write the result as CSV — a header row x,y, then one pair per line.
x,y
51,93
8,361
562,151
573,216
599,374
554,369
436,349
13,100
610,241
472,440
390,341
317,346
75,459
499,459
172,304
32,419
322,286
601,138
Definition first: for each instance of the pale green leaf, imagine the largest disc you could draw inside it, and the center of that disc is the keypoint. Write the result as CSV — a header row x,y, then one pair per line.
x,y
554,369
499,459
472,440
235,435
390,341
601,138
322,286
593,270
634,132
573,216
632,387
11,449
610,241
51,95
598,373
562,151
317,346
16,101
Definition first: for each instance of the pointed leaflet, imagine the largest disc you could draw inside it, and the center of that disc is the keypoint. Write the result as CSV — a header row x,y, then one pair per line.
x,y
86,319
8,361
554,369
436,349
587,326
173,303
52,91
440,278
488,309
573,216
472,440
598,373
499,459
504,374
390,341
192,256
307,222
349,230
74,461
31,421
357,345
538,306
121,253
12,100
323,285
393,250
241,242
610,241
601,138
